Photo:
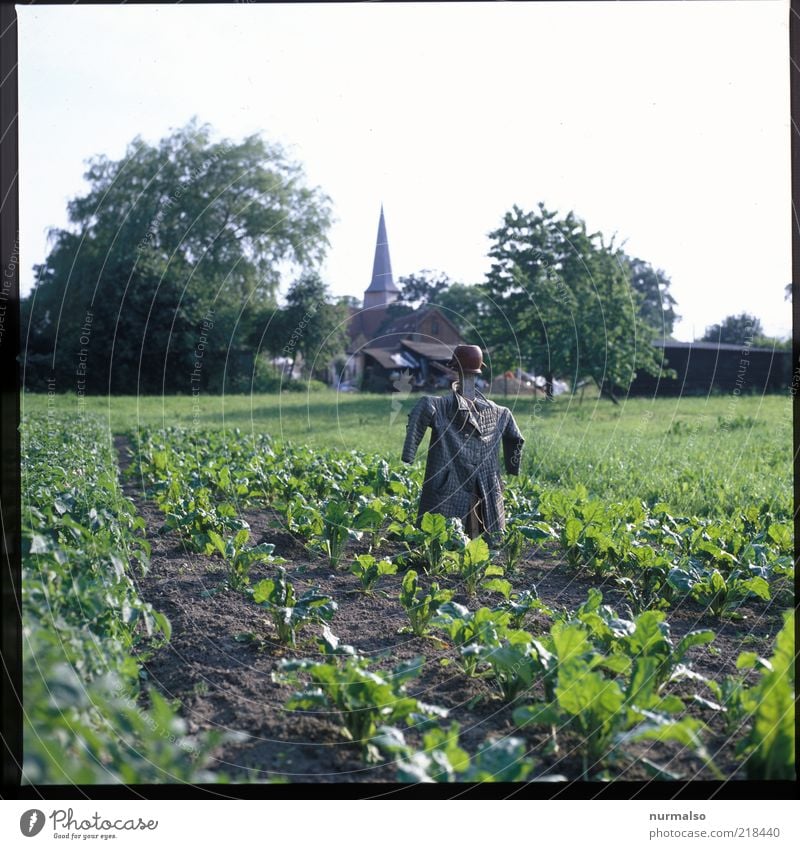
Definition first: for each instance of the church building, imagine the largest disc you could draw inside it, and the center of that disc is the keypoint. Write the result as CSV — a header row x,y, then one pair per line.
x,y
387,345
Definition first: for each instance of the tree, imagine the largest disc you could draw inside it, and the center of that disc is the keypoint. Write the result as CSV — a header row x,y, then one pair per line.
x,y
175,252
464,305
657,305
734,330
467,306
315,328
562,303
424,287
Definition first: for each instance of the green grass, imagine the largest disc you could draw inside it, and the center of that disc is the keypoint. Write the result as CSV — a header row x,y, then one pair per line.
x,y
704,456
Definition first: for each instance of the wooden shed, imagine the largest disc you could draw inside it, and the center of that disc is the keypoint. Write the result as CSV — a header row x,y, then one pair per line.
x,y
704,367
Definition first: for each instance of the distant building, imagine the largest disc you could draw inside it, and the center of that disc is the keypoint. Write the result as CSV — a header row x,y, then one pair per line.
x,y
703,367
385,347
381,291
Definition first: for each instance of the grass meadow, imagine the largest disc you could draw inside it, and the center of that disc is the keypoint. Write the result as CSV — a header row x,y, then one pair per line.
x,y
706,456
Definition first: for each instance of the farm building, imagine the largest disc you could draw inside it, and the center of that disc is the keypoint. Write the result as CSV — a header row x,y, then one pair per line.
x,y
385,347
703,367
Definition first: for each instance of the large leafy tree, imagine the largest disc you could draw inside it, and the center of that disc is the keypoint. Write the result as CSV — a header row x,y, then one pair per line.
x,y
657,304
465,305
313,325
468,307
424,287
175,250
734,330
562,303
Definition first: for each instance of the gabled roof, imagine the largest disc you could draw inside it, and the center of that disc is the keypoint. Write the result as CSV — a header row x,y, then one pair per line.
x,y
389,359
409,323
365,324
382,280
406,323
429,350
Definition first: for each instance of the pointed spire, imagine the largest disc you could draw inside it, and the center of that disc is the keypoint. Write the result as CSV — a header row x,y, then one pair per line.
x,y
381,289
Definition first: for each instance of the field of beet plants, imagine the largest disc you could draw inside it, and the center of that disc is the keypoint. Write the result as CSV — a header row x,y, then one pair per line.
x,y
210,605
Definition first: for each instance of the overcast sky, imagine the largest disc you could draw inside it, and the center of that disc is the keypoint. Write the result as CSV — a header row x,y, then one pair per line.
x,y
665,123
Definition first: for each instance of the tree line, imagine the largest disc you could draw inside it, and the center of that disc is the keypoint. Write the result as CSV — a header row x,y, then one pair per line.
x,y
167,281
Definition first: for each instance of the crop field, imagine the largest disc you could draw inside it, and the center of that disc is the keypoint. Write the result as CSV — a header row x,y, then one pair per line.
x,y
241,593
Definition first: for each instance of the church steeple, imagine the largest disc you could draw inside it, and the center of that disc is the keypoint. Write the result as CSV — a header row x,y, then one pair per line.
x,y
381,290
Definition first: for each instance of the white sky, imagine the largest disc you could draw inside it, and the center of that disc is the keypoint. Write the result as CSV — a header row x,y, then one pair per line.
x,y
667,123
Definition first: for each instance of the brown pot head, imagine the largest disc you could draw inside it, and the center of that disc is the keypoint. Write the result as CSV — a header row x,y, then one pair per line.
x,y
468,359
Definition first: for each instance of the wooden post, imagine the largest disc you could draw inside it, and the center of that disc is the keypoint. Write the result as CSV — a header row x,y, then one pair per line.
x,y
467,386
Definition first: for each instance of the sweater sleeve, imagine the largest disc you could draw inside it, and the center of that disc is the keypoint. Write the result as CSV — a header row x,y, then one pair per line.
x,y
419,420
512,445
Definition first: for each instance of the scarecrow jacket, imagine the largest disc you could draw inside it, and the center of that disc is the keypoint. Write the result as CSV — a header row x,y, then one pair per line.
x,y
463,457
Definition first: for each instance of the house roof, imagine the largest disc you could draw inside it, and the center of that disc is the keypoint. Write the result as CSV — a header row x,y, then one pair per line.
x,y
365,325
389,359
409,323
429,350
448,372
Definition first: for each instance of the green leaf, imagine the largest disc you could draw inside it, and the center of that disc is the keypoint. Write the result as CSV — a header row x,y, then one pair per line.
x,y
391,740
747,660
409,584
434,524
163,623
651,635
685,732
454,610
477,550
386,567
771,741
216,541
500,760
243,535
757,586
245,637
408,670
781,533
580,692
538,713
498,585
537,532
263,591
671,704
694,638
681,580
717,582
572,531
643,682
617,663
569,641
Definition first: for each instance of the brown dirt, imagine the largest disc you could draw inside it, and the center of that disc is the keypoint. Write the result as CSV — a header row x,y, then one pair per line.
x,y
225,684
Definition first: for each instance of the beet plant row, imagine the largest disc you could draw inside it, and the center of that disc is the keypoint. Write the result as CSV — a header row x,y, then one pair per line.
x,y
86,629
330,499
596,676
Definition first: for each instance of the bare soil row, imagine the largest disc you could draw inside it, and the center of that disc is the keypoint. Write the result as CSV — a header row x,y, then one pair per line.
x,y
227,684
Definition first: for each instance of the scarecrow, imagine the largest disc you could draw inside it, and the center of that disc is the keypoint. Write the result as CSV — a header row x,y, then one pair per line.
x,y
462,475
